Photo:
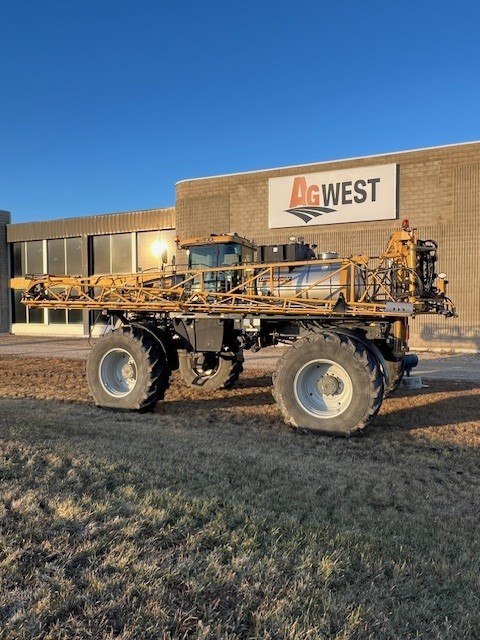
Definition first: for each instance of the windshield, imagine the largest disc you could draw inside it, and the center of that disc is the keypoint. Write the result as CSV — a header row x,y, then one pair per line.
x,y
203,256
215,255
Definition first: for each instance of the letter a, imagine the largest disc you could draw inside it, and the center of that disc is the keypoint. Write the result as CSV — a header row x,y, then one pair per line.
x,y
299,192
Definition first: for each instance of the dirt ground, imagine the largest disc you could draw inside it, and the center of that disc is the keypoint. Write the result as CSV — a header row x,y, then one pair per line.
x,y
445,406
432,365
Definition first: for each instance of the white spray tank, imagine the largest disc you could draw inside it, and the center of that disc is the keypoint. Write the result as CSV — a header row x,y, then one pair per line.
x,y
324,278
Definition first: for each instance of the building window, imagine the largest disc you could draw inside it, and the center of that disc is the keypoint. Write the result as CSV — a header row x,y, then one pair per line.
x,y
56,257
63,316
75,316
101,254
64,256
122,253
18,259
26,257
73,253
35,316
154,249
57,316
112,254
21,314
19,310
149,250
35,257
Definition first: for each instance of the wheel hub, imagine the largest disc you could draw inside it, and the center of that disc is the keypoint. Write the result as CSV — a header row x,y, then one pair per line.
x,y
128,371
329,385
117,372
323,388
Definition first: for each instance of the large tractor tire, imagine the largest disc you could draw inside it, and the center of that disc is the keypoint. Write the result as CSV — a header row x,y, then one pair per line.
x,y
127,370
210,371
328,383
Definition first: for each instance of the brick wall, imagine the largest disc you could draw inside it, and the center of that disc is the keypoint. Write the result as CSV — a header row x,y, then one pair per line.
x,y
439,192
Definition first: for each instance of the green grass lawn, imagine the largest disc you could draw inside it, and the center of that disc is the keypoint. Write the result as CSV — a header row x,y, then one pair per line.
x,y
211,519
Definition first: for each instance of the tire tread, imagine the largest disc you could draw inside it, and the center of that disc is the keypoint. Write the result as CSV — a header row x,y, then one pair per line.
x,y
225,378
359,353
156,366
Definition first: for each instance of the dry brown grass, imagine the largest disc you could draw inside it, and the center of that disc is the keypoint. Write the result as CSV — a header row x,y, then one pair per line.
x,y
211,519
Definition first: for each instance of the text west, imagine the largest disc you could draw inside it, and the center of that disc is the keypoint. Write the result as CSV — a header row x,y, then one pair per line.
x,y
334,193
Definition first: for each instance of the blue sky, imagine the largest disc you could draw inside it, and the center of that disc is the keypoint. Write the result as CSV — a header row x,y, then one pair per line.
x,y
105,105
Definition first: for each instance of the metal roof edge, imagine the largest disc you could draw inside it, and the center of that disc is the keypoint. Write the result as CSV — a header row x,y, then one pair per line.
x,y
125,222
313,164
91,215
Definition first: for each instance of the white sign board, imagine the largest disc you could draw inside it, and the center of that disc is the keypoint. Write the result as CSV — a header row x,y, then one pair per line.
x,y
358,194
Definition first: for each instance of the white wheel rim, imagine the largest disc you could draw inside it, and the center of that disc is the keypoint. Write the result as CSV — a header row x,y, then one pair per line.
x,y
323,388
117,373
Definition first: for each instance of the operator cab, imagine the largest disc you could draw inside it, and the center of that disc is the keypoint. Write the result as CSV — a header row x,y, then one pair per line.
x,y
216,251
225,250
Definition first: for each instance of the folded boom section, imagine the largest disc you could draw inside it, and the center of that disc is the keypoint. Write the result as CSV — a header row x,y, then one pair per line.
x,y
400,282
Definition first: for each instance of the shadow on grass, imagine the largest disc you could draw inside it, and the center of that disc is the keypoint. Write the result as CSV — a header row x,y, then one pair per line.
x,y
208,403
249,402
438,405
442,404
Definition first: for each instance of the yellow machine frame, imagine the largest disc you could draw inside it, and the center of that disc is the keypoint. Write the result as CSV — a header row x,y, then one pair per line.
x,y
390,288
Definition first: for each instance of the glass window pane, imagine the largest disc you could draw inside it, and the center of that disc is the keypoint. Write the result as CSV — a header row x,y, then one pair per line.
x,y
203,256
18,259
35,256
96,317
75,316
74,256
57,316
35,316
101,254
168,240
148,250
19,310
56,257
122,253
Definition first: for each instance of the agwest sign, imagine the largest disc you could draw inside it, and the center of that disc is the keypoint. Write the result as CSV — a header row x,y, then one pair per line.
x,y
350,195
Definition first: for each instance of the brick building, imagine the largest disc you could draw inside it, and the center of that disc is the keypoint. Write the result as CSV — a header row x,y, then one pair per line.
x,y
437,189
